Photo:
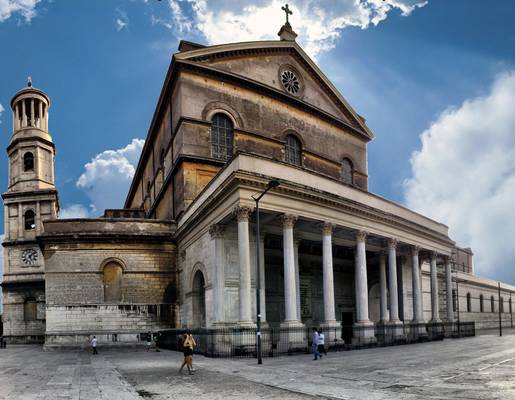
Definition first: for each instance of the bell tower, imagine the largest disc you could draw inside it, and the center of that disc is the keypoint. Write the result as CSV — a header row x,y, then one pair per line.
x,y
30,199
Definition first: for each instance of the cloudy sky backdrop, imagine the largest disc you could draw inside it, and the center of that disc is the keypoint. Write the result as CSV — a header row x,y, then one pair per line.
x,y
434,79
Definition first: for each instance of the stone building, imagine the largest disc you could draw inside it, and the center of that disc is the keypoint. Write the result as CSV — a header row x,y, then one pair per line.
x,y
181,253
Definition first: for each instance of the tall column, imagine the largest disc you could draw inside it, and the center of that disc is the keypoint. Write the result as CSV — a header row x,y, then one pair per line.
x,y
417,294
242,215
383,309
40,106
32,115
435,313
217,237
262,279
21,224
23,114
392,280
296,243
328,273
37,219
448,281
290,292
363,328
361,278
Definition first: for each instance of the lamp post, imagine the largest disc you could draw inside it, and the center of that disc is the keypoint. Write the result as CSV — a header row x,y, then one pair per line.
x,y
271,184
499,306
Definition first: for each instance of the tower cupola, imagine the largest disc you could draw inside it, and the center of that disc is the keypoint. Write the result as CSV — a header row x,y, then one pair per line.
x,y
30,109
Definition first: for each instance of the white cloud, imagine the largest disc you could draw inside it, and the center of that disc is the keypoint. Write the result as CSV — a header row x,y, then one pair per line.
x,y
464,176
318,22
74,211
122,20
2,109
25,8
107,177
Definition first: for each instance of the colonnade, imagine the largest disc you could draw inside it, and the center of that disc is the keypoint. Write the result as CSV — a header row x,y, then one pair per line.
x,y
387,275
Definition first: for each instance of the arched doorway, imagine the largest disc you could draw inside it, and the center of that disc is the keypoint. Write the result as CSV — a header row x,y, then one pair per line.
x,y
112,282
198,296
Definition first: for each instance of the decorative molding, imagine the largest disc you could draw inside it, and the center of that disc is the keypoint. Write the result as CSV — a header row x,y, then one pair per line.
x,y
415,250
242,213
327,228
361,236
391,243
217,231
288,220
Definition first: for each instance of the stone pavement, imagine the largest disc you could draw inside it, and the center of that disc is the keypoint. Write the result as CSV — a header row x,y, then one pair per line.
x,y
475,368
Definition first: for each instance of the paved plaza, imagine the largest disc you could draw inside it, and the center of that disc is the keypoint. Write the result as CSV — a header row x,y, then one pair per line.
x,y
482,367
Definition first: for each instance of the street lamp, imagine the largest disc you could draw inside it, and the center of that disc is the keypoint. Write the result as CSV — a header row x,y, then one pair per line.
x,y
271,184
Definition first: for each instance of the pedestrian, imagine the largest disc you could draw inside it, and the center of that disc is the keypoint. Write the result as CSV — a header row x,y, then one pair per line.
x,y
149,341
188,344
94,345
321,343
314,345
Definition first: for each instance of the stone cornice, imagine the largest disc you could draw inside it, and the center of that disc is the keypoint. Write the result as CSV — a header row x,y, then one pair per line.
x,y
38,193
245,179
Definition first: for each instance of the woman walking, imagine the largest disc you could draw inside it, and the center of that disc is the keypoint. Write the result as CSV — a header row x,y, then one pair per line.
x,y
188,344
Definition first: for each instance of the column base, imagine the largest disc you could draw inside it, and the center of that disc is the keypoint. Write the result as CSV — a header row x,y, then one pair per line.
x,y
363,334
390,332
417,331
292,337
435,330
332,333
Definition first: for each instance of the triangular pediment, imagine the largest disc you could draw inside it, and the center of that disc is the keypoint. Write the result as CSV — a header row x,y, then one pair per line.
x,y
267,61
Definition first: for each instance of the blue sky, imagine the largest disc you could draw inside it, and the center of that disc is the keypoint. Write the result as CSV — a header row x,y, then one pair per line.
x,y
408,70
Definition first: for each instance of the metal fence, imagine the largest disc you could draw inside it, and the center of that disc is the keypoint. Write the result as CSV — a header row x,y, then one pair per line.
x,y
241,342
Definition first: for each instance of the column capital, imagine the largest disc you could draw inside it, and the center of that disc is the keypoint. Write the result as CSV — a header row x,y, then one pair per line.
x,y
415,250
391,243
242,213
360,236
288,220
216,231
327,228
433,255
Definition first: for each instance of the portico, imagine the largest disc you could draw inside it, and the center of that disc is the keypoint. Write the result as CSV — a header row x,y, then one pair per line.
x,y
321,262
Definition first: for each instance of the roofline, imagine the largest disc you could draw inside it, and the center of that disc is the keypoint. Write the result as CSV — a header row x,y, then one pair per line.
x,y
278,44
183,57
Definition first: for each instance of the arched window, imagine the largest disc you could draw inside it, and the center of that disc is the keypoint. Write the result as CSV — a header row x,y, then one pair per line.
x,y
501,305
199,300
454,301
222,137
30,220
28,161
469,303
293,150
30,308
492,305
347,171
113,274
481,304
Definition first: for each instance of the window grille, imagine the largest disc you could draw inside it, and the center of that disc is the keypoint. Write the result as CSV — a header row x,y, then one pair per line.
x,y
293,150
222,137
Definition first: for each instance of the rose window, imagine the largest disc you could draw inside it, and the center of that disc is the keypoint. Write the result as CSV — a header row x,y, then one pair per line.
x,y
290,81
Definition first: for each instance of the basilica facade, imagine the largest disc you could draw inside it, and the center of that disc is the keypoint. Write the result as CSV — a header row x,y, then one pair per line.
x,y
182,251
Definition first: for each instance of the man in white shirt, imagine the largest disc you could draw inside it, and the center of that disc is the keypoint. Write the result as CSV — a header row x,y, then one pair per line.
x,y
94,345
321,344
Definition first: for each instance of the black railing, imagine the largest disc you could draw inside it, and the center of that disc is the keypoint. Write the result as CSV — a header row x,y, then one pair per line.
x,y
241,342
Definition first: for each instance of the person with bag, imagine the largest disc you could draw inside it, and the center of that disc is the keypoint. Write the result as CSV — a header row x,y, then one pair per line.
x,y
187,345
